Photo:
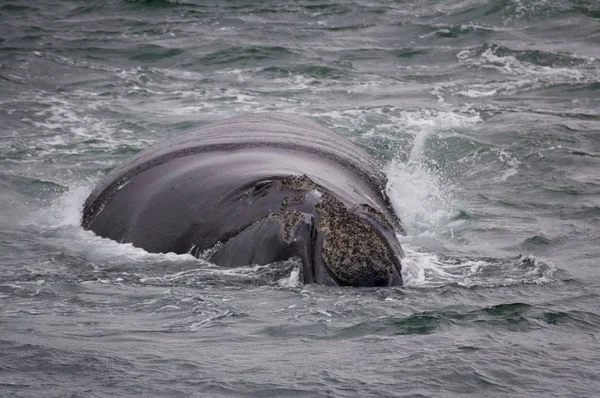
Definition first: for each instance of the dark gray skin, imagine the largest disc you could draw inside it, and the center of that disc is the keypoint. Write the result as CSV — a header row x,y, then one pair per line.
x,y
256,190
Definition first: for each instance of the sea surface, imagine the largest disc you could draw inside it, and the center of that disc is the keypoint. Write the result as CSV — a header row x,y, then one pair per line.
x,y
485,115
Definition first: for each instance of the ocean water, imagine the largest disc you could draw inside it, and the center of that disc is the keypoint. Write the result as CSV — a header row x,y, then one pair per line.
x,y
485,115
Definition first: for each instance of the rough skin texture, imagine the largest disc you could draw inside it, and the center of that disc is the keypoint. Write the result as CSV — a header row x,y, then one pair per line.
x,y
293,200
288,221
297,183
352,249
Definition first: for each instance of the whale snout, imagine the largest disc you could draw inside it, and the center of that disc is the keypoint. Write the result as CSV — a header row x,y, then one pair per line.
x,y
369,265
355,250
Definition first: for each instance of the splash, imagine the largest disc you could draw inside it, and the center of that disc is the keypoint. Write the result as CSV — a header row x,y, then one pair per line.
x,y
65,210
61,224
422,195
419,197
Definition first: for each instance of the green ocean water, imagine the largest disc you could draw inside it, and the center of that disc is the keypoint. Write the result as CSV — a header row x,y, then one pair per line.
x,y
484,114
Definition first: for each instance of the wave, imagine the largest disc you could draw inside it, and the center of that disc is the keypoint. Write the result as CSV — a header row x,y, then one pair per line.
x,y
243,54
511,72
158,4
424,269
514,317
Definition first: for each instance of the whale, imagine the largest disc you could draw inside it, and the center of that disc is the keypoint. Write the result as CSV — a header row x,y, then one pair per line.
x,y
254,190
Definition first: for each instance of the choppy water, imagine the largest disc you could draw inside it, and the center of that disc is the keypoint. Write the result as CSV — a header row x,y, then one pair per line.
x,y
484,113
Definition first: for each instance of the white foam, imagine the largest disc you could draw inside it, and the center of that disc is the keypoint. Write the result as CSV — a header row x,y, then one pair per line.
x,y
427,207
293,280
512,164
66,209
520,75
478,91
423,269
524,9
392,122
68,122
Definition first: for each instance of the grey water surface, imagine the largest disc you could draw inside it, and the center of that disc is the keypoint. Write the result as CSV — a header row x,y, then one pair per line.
x,y
485,115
